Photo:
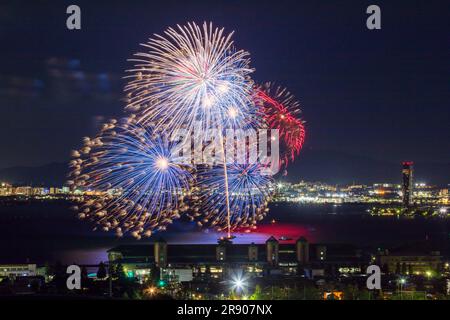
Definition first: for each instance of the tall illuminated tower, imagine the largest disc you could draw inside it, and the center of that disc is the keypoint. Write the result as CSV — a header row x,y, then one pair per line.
x,y
407,183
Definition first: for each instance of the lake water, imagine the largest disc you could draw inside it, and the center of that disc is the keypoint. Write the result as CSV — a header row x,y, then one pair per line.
x,y
39,232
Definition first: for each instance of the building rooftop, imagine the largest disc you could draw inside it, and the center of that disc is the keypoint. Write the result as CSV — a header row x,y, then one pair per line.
x,y
206,253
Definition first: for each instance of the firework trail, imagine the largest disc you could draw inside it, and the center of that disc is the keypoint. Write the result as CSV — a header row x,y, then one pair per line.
x,y
281,111
141,179
249,194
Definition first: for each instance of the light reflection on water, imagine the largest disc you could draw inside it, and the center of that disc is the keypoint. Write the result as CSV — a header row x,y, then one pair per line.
x,y
290,233
50,232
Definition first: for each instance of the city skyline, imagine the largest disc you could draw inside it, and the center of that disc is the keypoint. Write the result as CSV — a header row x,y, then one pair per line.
x,y
344,169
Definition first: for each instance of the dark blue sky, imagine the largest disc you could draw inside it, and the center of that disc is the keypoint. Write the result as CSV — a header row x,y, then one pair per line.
x,y
382,94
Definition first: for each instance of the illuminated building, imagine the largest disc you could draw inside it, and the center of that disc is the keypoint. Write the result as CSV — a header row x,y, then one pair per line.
x,y
272,247
23,191
407,183
37,191
253,252
221,250
177,274
302,248
321,252
17,270
5,189
217,261
418,259
444,196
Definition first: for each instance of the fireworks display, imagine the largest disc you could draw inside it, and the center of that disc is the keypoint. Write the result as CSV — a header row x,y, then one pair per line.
x,y
142,180
249,192
191,78
281,111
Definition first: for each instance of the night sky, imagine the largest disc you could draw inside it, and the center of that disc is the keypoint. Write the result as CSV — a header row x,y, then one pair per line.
x,y
381,94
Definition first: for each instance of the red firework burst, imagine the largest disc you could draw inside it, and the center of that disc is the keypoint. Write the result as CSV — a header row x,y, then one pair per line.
x,y
281,111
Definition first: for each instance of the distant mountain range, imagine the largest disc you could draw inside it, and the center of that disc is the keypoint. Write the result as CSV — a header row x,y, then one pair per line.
x,y
312,165
52,174
342,168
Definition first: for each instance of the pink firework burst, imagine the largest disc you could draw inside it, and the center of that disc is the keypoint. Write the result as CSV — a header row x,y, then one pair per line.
x,y
281,111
